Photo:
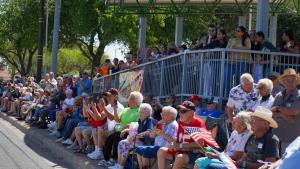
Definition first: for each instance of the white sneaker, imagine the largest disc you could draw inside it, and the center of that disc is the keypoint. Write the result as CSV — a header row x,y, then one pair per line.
x,y
59,140
96,155
116,166
74,146
51,125
67,142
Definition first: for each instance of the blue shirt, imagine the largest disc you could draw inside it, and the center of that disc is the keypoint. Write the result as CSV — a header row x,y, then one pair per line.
x,y
291,156
170,130
214,113
87,89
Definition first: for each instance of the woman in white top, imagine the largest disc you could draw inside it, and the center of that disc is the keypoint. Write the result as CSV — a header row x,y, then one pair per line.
x,y
236,142
265,98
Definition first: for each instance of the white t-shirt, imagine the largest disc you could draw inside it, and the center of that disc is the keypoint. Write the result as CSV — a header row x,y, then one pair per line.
x,y
69,101
237,142
111,123
266,104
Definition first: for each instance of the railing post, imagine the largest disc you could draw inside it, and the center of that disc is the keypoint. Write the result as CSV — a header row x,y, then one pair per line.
x,y
201,56
222,74
162,72
271,64
183,76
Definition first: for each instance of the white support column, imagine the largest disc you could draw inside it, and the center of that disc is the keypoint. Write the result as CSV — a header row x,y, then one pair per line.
x,y
262,18
273,30
178,30
142,32
242,21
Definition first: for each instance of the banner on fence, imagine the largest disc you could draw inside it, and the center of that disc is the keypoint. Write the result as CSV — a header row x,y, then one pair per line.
x,y
129,82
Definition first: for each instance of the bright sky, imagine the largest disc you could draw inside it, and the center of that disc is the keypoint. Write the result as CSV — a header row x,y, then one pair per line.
x,y
117,50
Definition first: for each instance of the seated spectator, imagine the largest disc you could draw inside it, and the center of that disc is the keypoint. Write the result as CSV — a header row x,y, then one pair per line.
x,y
277,87
211,109
262,146
220,42
145,124
14,101
242,97
288,43
197,102
84,85
28,106
130,114
290,157
236,143
265,99
286,108
164,133
182,149
109,99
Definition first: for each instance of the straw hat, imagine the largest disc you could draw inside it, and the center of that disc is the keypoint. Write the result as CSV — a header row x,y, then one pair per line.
x,y
289,72
265,114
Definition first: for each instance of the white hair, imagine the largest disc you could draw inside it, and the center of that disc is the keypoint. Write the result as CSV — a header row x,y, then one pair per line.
x,y
245,118
170,110
138,96
246,78
147,107
267,83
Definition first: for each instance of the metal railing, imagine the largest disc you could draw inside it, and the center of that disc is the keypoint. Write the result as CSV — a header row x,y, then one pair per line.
x,y
203,72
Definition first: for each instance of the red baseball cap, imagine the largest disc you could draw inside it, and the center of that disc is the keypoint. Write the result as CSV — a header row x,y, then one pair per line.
x,y
112,91
187,105
195,98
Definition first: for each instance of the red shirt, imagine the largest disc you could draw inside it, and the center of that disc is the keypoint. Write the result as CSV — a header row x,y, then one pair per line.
x,y
185,130
96,123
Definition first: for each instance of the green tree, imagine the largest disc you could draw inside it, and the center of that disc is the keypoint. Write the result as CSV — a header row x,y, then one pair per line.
x,y
18,32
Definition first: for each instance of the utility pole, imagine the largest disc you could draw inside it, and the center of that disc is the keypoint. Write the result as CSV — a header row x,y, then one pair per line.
x,y
55,36
40,42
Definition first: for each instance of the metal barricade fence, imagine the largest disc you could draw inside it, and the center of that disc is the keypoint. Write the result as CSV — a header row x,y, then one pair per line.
x,y
203,72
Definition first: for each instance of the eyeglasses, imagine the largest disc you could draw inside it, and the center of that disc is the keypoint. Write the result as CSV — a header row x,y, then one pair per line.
x,y
184,111
211,30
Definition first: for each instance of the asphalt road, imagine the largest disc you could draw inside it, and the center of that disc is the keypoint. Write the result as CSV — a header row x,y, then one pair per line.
x,y
18,152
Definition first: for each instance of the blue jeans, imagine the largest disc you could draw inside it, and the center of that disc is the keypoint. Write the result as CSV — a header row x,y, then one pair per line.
x,y
69,126
216,166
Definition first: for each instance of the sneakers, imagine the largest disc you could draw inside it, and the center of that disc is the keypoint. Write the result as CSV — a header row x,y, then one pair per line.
x,y
74,146
67,142
96,155
59,140
105,163
89,148
55,133
52,125
116,166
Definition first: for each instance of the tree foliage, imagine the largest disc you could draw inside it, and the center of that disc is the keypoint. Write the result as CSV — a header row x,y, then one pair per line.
x,y
18,33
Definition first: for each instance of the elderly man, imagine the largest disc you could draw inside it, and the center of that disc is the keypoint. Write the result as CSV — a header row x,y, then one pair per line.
x,y
182,150
262,146
286,108
242,97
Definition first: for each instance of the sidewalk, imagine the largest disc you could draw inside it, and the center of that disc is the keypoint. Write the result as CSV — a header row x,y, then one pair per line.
x,y
40,136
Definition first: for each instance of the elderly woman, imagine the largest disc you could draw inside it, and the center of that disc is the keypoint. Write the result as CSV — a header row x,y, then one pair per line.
x,y
129,115
236,143
164,133
145,124
265,98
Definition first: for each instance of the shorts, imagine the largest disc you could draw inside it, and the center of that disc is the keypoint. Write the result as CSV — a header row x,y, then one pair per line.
x,y
88,128
192,156
147,151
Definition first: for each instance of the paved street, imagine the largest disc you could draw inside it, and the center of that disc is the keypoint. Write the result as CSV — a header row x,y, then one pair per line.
x,y
15,151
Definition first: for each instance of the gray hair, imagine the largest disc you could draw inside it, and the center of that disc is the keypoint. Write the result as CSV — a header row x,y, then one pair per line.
x,y
69,91
147,107
267,83
138,97
170,110
245,118
246,78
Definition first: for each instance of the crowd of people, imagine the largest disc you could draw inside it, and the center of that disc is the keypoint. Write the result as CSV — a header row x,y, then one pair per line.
x,y
164,133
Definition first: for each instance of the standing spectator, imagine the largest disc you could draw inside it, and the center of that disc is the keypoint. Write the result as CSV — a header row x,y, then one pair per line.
x,y
265,99
288,43
197,102
286,108
253,37
172,49
123,65
211,36
262,145
220,42
115,67
163,50
84,85
264,45
237,60
242,97
182,148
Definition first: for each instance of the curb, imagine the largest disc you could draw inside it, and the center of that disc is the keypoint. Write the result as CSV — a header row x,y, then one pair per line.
x,y
76,161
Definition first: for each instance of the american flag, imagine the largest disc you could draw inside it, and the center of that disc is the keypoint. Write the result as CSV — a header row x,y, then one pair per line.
x,y
228,162
206,137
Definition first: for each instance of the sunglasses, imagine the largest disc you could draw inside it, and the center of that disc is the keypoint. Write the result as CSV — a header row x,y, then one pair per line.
x,y
184,111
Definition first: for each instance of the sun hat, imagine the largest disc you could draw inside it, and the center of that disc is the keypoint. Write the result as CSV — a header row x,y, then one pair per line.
x,y
265,114
289,72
